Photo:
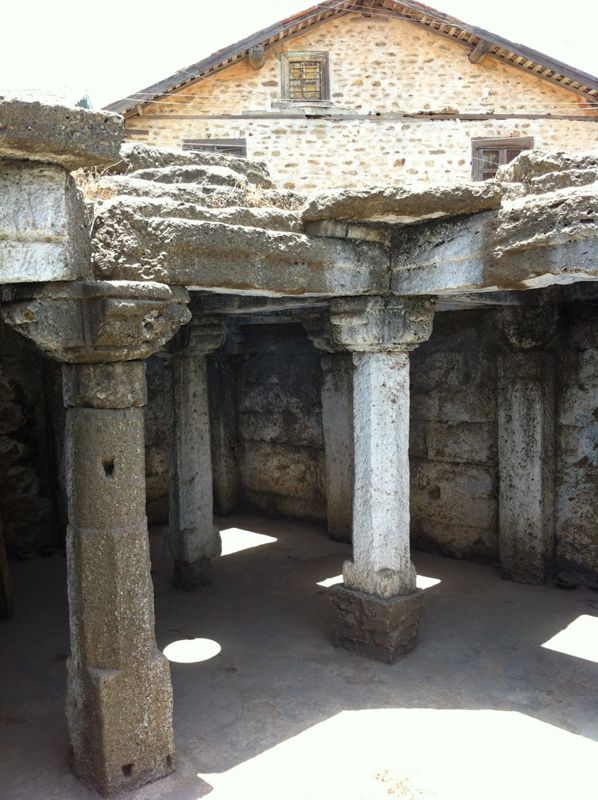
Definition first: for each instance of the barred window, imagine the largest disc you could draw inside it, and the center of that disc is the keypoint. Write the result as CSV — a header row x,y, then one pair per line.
x,y
487,155
305,77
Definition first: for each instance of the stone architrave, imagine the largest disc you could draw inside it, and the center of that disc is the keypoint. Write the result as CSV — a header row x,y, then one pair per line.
x,y
194,540
526,442
119,700
378,606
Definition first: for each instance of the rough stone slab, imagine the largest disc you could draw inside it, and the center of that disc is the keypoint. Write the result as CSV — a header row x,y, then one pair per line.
x,y
532,164
217,175
380,628
403,206
533,242
70,137
137,156
223,257
43,230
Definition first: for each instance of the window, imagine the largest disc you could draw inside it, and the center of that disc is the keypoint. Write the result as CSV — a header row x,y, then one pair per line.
x,y
231,147
305,77
489,154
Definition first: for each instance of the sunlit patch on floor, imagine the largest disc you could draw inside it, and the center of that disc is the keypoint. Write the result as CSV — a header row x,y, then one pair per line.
x,y
234,540
579,639
191,651
385,754
423,581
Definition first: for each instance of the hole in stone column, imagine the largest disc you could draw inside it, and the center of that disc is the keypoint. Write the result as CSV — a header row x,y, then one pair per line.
x,y
168,762
128,770
108,464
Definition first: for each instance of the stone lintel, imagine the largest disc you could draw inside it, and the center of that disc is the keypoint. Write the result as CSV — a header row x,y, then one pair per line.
x,y
70,137
102,321
381,324
380,628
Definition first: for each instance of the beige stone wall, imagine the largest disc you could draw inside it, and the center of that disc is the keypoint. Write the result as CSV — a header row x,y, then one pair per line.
x,y
380,69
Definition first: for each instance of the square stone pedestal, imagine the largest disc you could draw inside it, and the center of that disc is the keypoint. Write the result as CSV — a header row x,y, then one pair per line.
x,y
381,628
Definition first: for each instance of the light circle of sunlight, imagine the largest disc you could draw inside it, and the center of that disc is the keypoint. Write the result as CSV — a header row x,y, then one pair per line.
x,y
191,651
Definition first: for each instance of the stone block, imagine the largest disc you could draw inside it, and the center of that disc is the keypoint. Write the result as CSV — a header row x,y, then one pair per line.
x,y
465,442
70,137
380,628
43,226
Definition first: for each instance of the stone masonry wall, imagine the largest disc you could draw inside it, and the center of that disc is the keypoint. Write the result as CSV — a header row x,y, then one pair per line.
x,y
577,445
453,448
380,68
281,449
27,472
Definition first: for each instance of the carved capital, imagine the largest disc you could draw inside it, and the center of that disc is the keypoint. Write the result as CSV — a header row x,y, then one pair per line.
x,y
527,327
202,336
94,322
381,324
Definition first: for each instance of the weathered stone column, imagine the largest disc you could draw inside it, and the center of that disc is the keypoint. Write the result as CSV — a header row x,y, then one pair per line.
x,y
337,423
119,705
526,443
193,538
378,606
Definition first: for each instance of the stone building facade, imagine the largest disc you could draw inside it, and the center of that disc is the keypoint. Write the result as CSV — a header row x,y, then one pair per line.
x,y
403,101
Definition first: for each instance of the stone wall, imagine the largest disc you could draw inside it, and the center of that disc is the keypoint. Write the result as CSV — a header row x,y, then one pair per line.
x,y
26,459
281,449
454,468
380,70
577,445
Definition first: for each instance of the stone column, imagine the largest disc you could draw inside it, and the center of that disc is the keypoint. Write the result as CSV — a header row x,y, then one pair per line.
x,y
337,423
378,606
193,537
526,443
119,699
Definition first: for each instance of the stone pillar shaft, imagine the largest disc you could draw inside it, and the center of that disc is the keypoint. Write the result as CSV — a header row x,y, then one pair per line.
x,y
381,554
526,431
119,705
337,422
194,540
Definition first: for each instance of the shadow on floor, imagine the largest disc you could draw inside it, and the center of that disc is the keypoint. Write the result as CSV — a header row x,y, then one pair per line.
x,y
480,708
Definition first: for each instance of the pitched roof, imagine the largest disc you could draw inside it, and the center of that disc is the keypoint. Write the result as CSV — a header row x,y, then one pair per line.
x,y
480,43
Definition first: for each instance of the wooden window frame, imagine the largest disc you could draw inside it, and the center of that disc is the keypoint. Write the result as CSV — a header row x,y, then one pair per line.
x,y
501,144
238,147
286,59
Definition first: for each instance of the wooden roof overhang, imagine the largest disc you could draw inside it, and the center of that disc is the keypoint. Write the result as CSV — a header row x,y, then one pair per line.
x,y
479,42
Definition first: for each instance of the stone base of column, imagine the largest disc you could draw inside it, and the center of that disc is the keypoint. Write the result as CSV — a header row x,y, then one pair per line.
x,y
189,575
120,725
380,628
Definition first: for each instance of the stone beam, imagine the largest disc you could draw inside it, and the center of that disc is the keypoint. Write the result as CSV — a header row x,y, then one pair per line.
x,y
528,244
71,138
228,258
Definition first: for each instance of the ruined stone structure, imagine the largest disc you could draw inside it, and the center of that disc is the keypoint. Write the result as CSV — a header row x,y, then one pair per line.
x,y
369,91
405,365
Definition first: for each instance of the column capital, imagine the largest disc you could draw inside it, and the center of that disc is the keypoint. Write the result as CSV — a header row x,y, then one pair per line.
x,y
203,335
99,321
381,324
527,327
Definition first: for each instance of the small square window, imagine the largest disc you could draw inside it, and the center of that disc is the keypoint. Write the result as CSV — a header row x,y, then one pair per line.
x,y
487,155
305,77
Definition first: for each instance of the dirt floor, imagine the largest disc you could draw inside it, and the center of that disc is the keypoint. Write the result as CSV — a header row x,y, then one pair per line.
x,y
479,711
